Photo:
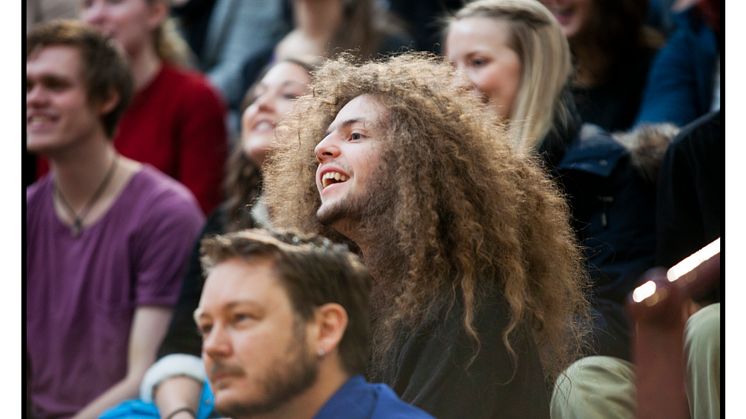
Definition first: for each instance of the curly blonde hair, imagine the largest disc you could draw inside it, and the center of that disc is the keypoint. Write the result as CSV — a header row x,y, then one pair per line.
x,y
468,213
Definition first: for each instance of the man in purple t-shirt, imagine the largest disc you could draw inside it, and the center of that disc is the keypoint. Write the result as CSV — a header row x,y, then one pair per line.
x,y
107,237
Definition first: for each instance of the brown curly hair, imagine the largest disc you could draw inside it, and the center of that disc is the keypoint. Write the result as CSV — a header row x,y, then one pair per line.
x,y
468,214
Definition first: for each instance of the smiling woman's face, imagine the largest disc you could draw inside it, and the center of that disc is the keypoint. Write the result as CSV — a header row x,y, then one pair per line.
x,y
479,48
572,15
272,99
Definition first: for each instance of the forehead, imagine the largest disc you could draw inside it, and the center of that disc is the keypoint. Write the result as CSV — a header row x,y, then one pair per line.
x,y
58,60
238,280
478,33
286,72
365,108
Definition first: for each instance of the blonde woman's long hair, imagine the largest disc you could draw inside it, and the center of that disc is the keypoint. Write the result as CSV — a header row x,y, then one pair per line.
x,y
168,43
546,65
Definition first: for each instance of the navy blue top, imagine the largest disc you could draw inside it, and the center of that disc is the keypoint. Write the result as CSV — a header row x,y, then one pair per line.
x,y
358,399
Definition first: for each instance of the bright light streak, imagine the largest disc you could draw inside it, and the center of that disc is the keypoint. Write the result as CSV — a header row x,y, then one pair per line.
x,y
643,291
690,263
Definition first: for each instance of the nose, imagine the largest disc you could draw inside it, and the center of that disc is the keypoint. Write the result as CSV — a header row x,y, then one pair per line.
x,y
36,96
265,102
216,344
326,149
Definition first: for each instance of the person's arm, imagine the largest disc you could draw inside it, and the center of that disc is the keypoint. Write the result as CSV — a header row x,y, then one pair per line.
x,y
177,393
148,328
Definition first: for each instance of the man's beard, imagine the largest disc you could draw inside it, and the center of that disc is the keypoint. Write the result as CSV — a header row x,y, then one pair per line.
x,y
365,208
298,371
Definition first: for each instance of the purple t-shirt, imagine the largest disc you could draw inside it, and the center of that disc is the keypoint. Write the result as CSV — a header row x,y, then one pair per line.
x,y
82,291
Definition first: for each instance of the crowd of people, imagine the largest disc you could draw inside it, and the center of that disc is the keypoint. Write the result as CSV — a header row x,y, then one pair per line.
x,y
362,209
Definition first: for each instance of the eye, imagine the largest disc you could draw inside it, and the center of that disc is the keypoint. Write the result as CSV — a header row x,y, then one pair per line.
x,y
204,329
241,318
355,136
478,62
290,95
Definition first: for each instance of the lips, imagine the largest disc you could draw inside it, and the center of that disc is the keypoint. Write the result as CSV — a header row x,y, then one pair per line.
x,y
263,125
563,14
38,121
330,176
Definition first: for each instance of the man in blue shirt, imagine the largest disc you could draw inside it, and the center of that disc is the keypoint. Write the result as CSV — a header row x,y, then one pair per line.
x,y
285,325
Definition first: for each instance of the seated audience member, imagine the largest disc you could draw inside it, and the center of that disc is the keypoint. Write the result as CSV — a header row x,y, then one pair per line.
x,y
107,237
176,121
178,375
286,327
514,55
690,204
40,11
326,28
228,37
477,297
612,51
690,190
684,81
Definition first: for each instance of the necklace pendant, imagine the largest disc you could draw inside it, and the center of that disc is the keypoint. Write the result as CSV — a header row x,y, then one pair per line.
x,y
76,228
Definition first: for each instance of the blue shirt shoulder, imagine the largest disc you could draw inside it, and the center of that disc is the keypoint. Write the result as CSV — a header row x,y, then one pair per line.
x,y
358,399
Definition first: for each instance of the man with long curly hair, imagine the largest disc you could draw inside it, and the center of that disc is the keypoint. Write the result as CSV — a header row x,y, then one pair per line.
x,y
478,287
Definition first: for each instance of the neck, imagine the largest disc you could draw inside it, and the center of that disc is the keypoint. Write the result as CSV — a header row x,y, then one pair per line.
x,y
78,173
144,64
591,65
306,405
318,18
386,263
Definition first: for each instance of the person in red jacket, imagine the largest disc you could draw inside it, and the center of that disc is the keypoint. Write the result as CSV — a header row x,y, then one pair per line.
x,y
176,121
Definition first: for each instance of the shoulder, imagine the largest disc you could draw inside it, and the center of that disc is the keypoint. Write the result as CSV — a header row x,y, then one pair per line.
x,y
38,190
595,151
189,83
174,74
390,406
159,193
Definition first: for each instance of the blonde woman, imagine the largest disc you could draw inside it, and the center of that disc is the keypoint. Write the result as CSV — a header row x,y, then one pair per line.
x,y
515,56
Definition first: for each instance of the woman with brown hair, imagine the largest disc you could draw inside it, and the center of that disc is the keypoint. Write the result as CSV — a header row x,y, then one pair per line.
x,y
178,375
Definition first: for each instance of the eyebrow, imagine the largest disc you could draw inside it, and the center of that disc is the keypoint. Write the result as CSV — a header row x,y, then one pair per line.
x,y
198,312
343,124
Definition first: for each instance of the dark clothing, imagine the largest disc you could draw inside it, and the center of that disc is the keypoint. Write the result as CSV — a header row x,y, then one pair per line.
x,y
613,215
440,369
614,104
358,399
691,191
681,84
613,211
421,17
182,336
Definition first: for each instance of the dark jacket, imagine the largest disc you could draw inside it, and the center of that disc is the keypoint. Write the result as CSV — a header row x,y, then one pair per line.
x,y
613,214
691,191
681,80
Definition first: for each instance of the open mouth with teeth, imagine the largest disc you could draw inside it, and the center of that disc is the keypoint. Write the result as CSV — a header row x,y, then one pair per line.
x,y
330,178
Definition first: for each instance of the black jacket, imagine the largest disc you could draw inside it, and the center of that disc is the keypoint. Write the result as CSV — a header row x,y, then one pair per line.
x,y
613,214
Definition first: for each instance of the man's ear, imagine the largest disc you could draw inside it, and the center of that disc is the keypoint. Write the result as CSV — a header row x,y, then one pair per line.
x,y
158,13
108,104
331,322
